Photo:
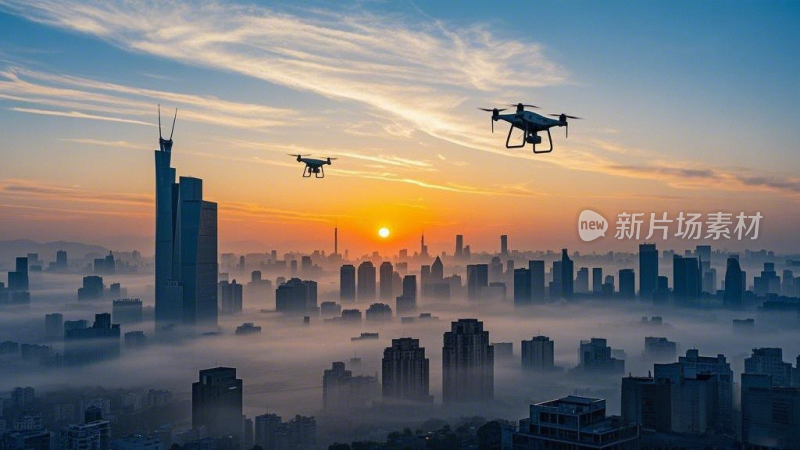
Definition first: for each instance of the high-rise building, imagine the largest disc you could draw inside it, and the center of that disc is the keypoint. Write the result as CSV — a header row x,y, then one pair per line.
x,y
538,354
186,247
386,287
92,289
85,345
459,253
769,361
296,296
770,416
627,287
477,280
734,284
659,349
574,423
347,283
694,368
595,355
648,270
126,311
567,275
54,325
406,372
504,245
90,435
537,280
217,403
597,280
522,287
437,270
342,391
407,302
582,281
467,363
685,280
366,282
230,297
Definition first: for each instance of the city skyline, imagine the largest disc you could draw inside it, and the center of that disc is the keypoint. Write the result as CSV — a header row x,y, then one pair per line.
x,y
416,141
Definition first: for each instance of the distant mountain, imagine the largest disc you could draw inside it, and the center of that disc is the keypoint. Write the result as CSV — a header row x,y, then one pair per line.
x,y
76,251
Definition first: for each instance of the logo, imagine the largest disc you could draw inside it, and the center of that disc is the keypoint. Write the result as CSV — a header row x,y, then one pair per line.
x,y
591,225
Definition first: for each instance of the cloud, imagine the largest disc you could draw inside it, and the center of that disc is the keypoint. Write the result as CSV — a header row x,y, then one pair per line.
x,y
79,115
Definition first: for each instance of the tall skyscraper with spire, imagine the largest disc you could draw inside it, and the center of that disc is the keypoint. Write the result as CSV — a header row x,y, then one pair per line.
x,y
186,246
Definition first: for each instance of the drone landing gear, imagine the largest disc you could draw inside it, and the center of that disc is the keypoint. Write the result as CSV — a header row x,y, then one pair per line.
x,y
318,172
529,137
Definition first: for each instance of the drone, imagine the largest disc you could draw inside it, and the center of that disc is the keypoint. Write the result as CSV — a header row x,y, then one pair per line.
x,y
313,165
531,124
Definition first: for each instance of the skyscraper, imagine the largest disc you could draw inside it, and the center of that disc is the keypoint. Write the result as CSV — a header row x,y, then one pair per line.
x,y
296,296
230,297
648,270
217,402
685,280
627,287
538,353
467,363
567,275
537,280
407,302
597,280
406,373
437,270
386,272
522,287
186,247
366,281
734,284
504,245
477,280
459,246
347,283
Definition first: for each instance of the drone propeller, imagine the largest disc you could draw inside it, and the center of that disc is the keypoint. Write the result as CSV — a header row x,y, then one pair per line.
x,y
494,112
563,118
298,155
521,106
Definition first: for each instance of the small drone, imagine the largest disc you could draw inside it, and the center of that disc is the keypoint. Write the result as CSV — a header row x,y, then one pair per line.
x,y
313,165
531,124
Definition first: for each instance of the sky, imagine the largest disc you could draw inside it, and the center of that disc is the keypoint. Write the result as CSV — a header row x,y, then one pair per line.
x,y
687,106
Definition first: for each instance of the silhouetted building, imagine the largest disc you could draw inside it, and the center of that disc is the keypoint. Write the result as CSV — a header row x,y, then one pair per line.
x,y
734,284
92,289
386,288
437,270
567,275
366,281
230,297
582,281
54,325
504,245
217,403
537,281
40,439
296,296
538,354
769,361
627,287
407,302
574,422
126,311
692,376
378,312
467,363
94,435
271,433
186,247
685,280
135,339
477,280
342,391
100,342
659,349
347,283
595,356
406,372
648,270
770,415
459,252
522,287
597,280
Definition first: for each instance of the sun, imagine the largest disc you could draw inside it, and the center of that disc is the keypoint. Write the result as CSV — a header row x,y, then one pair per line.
x,y
383,232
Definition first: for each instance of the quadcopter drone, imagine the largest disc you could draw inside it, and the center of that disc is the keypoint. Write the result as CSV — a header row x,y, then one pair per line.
x,y
313,165
531,124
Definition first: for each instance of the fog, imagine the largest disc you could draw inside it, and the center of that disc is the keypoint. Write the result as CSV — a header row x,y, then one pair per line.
x,y
282,367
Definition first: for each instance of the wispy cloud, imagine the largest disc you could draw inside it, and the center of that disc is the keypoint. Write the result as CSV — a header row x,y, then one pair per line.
x,y
79,115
